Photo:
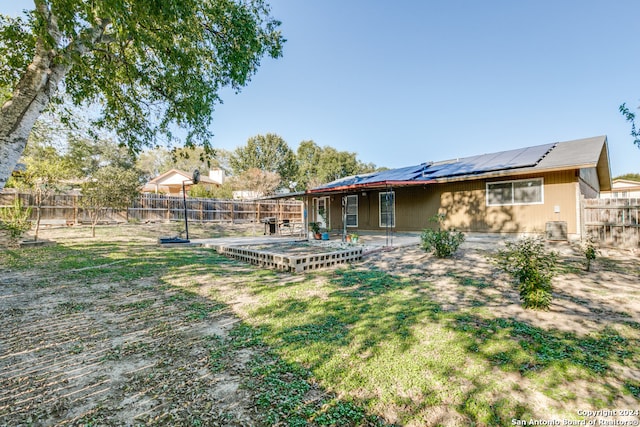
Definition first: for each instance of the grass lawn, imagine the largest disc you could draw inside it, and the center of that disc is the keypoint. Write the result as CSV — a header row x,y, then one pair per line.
x,y
161,334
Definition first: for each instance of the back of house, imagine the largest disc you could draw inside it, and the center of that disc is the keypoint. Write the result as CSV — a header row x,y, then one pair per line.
x,y
526,190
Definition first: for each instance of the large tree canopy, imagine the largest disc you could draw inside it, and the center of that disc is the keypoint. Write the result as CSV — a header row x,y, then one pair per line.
x,y
150,65
319,165
629,177
269,153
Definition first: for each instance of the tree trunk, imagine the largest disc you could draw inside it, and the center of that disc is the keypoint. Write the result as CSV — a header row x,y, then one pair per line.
x,y
95,216
38,217
18,115
38,85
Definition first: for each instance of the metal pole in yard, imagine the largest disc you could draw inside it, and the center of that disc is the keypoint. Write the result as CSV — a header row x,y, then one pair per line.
x,y
184,200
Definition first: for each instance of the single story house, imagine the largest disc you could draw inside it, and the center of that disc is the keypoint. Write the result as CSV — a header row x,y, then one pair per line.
x,y
525,190
622,189
170,182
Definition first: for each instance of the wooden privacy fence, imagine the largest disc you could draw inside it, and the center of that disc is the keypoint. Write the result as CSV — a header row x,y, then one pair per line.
x,y
614,222
67,209
152,207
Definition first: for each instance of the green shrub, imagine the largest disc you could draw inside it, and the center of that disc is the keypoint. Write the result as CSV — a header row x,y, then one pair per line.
x,y
442,242
590,251
14,220
532,267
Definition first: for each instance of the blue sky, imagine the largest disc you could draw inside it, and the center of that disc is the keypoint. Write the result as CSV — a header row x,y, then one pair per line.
x,y
405,82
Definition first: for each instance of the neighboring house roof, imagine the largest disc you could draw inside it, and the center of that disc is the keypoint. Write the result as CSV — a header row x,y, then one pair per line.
x,y
576,154
623,188
173,179
175,175
625,184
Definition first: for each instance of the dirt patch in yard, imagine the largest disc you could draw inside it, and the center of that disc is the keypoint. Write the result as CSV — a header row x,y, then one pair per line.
x,y
114,355
582,301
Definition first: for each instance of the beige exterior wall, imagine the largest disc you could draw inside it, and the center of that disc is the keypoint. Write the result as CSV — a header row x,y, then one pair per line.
x,y
465,207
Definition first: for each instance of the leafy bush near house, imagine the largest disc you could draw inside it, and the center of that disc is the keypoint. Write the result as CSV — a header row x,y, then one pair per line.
x,y
14,220
532,267
443,243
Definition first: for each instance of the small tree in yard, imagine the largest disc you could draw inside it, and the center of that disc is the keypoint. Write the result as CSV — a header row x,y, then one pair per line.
x,y
45,169
533,267
442,242
590,251
14,220
112,187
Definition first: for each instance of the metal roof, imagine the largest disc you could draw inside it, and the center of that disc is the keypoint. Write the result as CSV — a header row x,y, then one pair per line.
x,y
588,152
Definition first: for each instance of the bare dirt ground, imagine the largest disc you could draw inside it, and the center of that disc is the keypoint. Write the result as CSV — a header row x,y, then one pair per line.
x,y
92,352
583,301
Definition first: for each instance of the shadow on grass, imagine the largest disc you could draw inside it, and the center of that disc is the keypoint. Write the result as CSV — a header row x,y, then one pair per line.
x,y
368,316
372,304
532,349
286,393
160,320
365,310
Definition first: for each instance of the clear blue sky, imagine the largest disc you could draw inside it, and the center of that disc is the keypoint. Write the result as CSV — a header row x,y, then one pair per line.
x,y
405,82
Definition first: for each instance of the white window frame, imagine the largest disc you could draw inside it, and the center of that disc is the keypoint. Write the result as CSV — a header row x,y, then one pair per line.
x,y
393,209
346,210
513,202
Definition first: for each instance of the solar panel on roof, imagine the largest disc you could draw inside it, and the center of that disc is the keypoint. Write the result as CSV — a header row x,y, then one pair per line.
x,y
511,159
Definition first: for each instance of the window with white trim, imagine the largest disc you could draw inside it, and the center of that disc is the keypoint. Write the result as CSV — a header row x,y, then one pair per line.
x,y
387,208
518,192
351,211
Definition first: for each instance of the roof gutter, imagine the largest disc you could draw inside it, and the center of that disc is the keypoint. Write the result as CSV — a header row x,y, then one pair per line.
x,y
379,184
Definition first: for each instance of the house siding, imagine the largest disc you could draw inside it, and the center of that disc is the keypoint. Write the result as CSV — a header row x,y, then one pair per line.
x,y
465,208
